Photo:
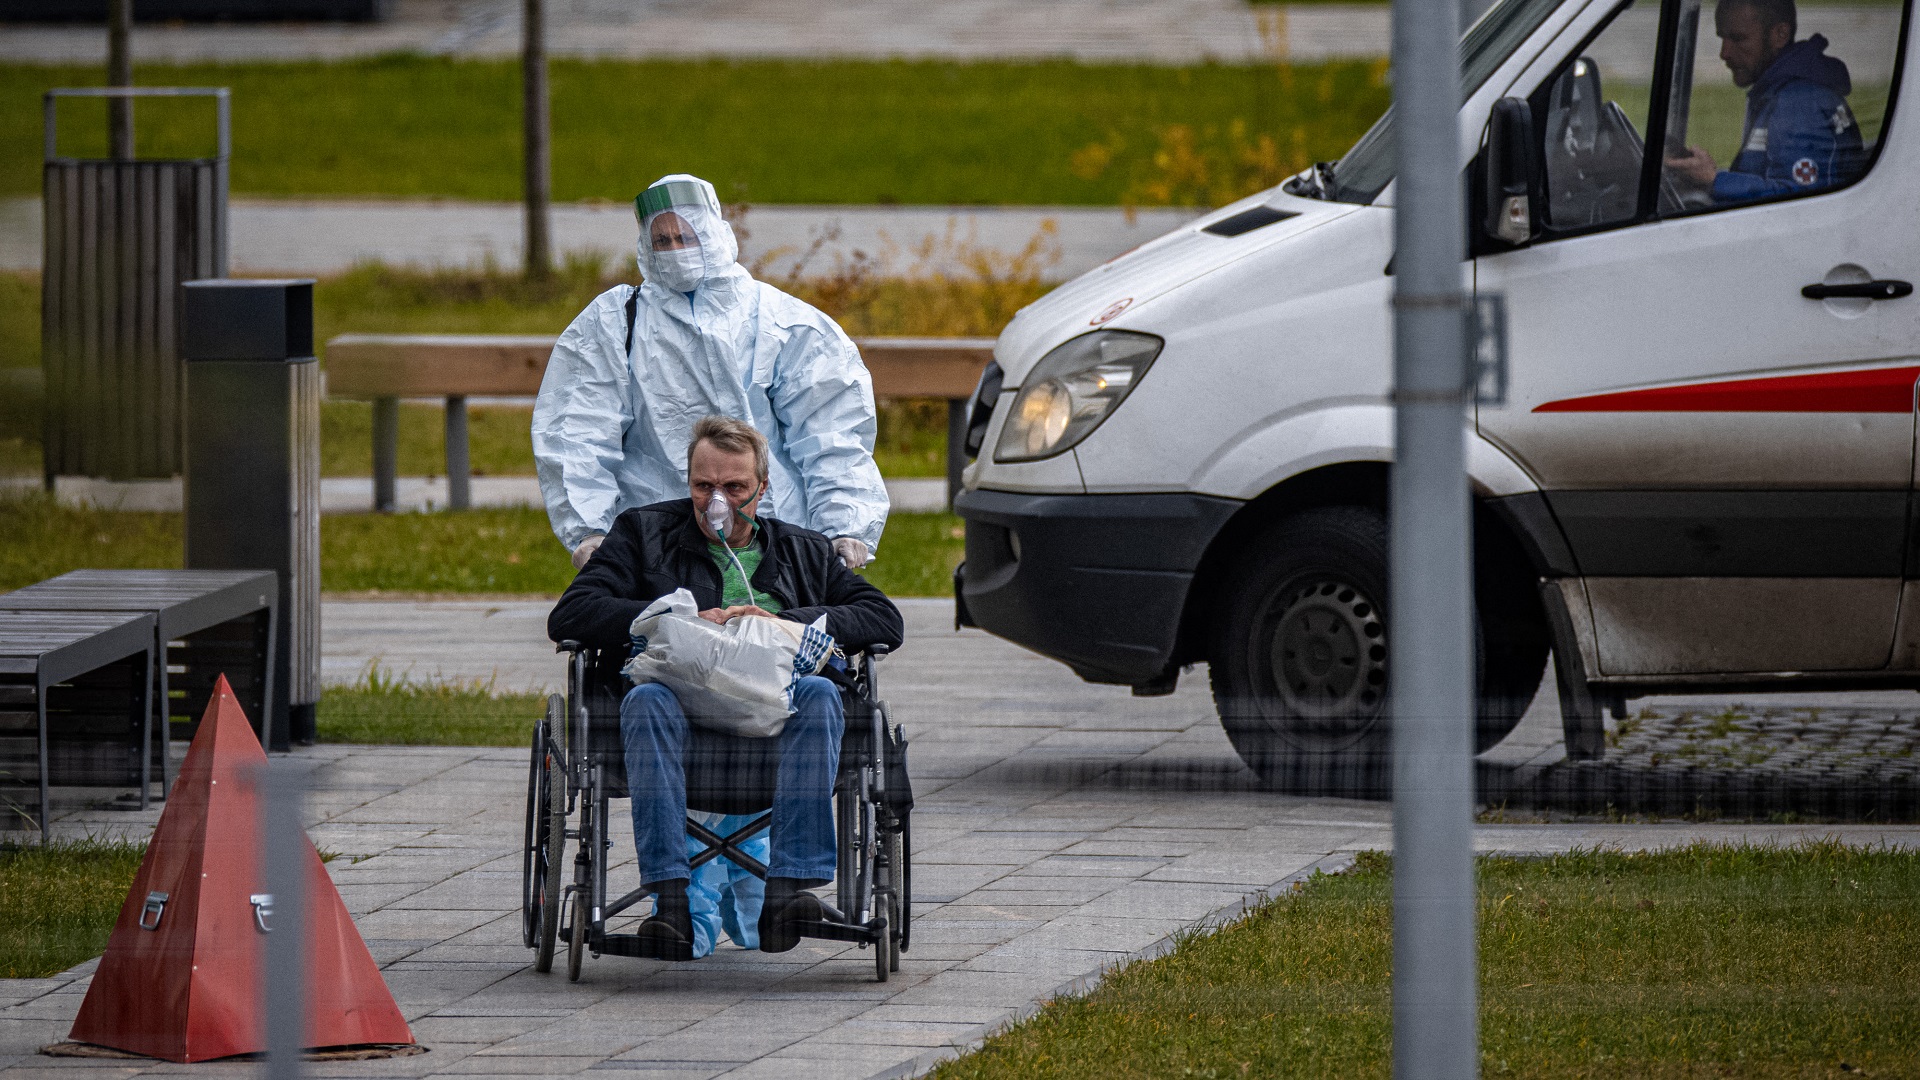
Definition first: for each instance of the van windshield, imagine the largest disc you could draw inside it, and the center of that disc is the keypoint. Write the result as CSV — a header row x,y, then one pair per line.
x,y
1366,169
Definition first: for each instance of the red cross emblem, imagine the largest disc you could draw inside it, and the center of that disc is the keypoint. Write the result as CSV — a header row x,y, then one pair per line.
x,y
1805,172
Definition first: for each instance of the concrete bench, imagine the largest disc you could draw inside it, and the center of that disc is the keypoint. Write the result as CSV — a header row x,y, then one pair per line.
x,y
384,368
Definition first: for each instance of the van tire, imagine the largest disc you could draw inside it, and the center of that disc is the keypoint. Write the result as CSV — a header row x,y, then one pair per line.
x,y
1307,598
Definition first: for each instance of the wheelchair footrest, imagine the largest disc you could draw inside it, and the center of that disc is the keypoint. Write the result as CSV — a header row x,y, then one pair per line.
x,y
629,945
838,931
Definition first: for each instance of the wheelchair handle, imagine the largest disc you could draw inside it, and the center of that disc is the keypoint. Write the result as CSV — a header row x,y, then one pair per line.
x,y
568,646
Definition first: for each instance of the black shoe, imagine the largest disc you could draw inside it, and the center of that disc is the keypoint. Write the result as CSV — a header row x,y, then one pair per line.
x,y
667,934
785,908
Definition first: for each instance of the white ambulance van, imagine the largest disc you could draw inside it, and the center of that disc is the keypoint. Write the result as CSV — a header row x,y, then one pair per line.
x,y
1704,222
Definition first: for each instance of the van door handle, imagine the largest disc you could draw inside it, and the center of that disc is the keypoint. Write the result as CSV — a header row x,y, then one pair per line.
x,y
1883,289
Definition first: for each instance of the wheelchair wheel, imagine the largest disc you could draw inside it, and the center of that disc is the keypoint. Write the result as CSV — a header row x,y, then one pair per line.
x,y
896,923
551,834
530,847
577,943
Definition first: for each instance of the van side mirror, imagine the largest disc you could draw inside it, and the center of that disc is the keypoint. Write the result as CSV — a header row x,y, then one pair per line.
x,y
1509,216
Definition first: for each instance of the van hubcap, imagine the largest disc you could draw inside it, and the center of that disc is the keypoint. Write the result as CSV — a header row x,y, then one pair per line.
x,y
1328,657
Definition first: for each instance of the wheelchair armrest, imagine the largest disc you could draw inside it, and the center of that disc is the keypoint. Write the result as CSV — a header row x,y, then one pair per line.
x,y
877,651
569,647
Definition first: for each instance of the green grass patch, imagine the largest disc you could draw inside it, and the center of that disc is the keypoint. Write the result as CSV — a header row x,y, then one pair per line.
x,y
917,555
386,709
828,131
1707,960
19,319
508,550
58,903
41,539
497,439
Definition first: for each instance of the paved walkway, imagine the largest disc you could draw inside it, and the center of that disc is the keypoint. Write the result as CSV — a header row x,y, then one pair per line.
x,y
1062,828
319,237
1163,31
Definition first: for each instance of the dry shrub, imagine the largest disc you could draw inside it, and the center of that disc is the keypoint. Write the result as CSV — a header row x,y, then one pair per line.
x,y
948,285
1209,166
1215,164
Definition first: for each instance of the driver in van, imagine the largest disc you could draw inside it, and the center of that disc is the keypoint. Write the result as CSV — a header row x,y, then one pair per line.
x,y
1799,133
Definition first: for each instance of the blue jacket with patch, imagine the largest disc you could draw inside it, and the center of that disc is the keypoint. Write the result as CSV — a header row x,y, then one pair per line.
x,y
1799,133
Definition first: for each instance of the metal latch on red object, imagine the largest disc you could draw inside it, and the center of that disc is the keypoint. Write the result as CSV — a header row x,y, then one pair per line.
x,y
262,910
150,914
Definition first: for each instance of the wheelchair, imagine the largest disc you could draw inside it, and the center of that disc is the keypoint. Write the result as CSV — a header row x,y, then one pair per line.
x,y
577,766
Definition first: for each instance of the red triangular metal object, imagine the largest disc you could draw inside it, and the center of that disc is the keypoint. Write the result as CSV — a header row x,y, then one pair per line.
x,y
181,976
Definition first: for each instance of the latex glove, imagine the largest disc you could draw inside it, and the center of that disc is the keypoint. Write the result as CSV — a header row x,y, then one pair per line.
x,y
852,552
586,549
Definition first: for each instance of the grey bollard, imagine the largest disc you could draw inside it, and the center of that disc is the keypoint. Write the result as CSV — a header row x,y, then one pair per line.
x,y
253,466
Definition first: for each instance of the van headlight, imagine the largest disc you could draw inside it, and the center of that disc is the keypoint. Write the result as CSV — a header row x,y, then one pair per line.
x,y
1071,390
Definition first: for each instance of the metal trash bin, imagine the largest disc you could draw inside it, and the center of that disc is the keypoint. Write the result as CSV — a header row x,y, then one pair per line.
x,y
253,465
120,237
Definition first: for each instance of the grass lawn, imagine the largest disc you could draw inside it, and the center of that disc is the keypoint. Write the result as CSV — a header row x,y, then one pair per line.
x,y
58,903
396,711
831,131
478,551
1696,962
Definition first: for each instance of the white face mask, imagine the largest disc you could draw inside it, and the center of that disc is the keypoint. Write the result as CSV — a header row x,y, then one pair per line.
x,y
680,269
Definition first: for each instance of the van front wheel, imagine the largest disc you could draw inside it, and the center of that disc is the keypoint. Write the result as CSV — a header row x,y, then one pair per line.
x,y
1299,657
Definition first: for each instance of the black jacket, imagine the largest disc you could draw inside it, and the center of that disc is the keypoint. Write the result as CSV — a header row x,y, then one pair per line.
x,y
653,550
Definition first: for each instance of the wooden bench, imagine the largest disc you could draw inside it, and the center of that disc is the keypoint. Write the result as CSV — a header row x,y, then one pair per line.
x,y
206,623
384,368
75,699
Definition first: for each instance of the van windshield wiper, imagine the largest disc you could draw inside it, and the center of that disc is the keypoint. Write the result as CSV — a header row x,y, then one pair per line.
x,y
1314,183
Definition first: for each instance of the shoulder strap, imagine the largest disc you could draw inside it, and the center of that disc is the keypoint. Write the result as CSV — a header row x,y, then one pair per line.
x,y
633,307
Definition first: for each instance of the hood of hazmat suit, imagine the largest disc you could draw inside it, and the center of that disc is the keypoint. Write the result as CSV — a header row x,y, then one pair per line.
x,y
610,426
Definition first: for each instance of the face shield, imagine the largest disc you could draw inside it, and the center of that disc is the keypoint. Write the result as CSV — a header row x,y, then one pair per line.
x,y
683,239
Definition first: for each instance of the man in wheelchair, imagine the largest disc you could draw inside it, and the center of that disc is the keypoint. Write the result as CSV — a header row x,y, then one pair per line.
x,y
737,565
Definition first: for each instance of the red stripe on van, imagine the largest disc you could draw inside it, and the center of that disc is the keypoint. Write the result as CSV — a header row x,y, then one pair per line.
x,y
1875,390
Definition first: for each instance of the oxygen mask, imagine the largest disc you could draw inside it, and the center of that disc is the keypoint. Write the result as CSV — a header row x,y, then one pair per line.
x,y
719,515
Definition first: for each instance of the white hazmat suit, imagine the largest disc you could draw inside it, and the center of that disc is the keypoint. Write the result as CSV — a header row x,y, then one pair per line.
x,y
611,424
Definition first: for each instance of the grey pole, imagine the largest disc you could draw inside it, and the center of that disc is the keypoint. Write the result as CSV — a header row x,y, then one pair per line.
x,y
539,179
459,460
283,913
120,73
386,452
1435,1008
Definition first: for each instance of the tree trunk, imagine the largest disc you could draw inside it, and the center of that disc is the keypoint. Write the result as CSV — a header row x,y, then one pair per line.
x,y
120,73
538,180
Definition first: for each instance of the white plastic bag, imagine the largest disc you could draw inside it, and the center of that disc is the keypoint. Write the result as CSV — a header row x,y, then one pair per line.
x,y
736,678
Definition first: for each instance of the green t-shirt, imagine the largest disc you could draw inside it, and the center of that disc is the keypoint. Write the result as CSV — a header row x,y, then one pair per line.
x,y
734,589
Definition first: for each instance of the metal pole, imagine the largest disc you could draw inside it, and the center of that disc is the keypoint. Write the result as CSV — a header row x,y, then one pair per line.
x,y
459,463
285,860
1435,1007
386,452
539,180
120,73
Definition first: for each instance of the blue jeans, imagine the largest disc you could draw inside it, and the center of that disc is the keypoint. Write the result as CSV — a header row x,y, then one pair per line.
x,y
653,732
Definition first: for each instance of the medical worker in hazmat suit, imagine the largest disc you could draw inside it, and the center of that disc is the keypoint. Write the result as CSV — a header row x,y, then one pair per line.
x,y
700,337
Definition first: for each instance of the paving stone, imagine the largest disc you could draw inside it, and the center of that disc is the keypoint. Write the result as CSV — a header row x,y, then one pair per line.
x,y
699,1043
